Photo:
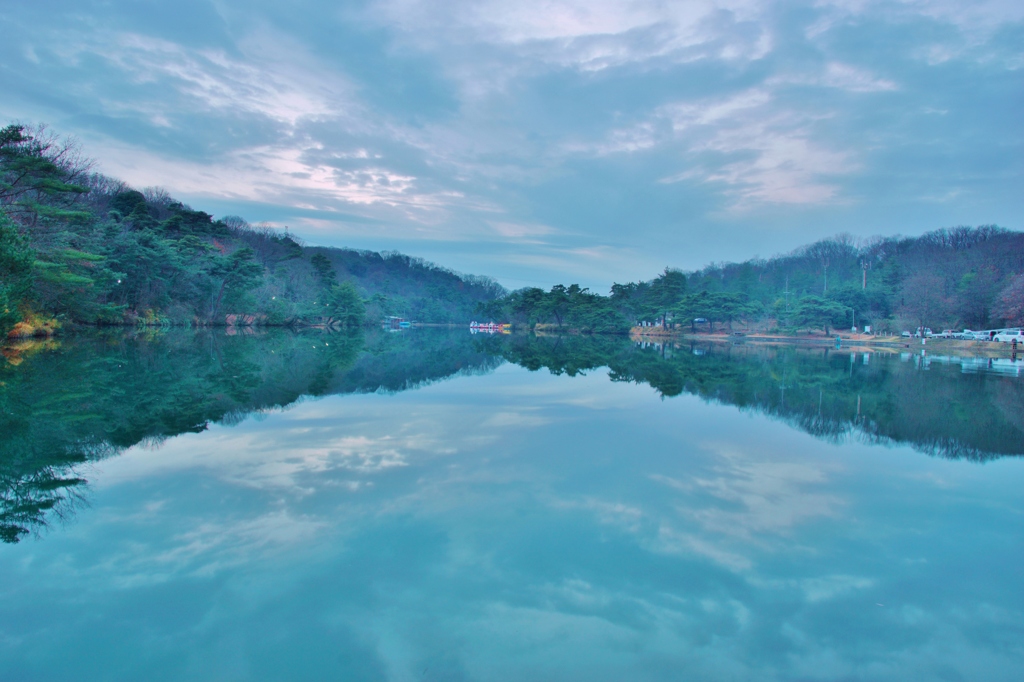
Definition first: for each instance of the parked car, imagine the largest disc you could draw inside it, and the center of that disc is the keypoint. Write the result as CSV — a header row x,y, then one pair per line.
x,y
1008,336
905,335
948,334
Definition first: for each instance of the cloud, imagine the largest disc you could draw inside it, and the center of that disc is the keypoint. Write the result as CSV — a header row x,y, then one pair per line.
x,y
762,496
282,86
761,151
588,36
983,16
545,134
837,75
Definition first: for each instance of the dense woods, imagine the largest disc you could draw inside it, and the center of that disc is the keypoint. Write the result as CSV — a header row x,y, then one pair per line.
x,y
962,277
81,247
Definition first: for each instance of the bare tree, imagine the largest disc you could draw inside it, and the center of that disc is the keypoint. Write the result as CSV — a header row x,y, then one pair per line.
x,y
921,299
157,196
1010,304
822,252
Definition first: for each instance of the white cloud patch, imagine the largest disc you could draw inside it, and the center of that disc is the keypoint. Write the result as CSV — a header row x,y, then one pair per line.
x,y
282,89
762,496
981,16
839,76
521,231
759,150
589,36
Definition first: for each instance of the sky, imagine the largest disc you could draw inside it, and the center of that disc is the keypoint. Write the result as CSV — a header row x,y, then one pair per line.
x,y
543,141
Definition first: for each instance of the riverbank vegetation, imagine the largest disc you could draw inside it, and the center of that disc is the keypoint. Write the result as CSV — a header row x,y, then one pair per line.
x,y
962,277
79,247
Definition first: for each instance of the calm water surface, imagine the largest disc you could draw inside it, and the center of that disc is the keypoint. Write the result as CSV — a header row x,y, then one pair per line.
x,y
431,506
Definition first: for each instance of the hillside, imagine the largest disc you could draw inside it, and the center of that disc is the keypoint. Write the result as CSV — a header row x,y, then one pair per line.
x,y
962,277
80,247
77,246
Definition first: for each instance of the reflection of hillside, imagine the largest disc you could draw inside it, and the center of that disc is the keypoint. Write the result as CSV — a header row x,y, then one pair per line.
x,y
832,395
96,394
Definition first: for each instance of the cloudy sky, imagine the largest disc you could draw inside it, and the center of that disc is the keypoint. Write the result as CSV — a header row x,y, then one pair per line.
x,y
540,141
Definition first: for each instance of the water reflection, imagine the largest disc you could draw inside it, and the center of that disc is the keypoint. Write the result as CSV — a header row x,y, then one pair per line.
x,y
877,397
518,525
90,397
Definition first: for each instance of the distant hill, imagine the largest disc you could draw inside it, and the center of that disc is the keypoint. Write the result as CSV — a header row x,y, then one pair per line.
x,y
954,278
960,277
86,248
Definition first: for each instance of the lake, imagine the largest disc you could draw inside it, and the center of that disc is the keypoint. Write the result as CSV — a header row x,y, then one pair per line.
x,y
432,505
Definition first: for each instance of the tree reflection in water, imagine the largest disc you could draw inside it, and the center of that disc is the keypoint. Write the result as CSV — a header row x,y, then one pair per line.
x,y
93,395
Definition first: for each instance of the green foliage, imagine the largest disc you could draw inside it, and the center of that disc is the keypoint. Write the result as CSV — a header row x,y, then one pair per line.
x,y
665,291
37,173
345,305
325,273
816,311
105,253
716,308
238,273
16,259
947,278
651,301
565,307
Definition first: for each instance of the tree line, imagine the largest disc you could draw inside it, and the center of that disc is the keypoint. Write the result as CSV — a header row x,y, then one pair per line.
x,y
81,247
78,246
962,277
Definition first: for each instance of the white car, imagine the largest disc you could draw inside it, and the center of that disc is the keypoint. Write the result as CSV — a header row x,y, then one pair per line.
x,y
1009,335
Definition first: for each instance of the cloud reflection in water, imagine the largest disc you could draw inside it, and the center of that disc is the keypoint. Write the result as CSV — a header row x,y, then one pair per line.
x,y
523,526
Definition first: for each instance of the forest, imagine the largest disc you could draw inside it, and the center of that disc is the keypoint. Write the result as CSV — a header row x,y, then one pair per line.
x,y
954,278
79,247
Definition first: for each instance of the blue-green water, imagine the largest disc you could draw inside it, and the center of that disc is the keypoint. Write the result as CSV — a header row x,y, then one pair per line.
x,y
440,512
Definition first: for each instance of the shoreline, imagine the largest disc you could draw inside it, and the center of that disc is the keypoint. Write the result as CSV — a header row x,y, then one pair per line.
x,y
855,342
